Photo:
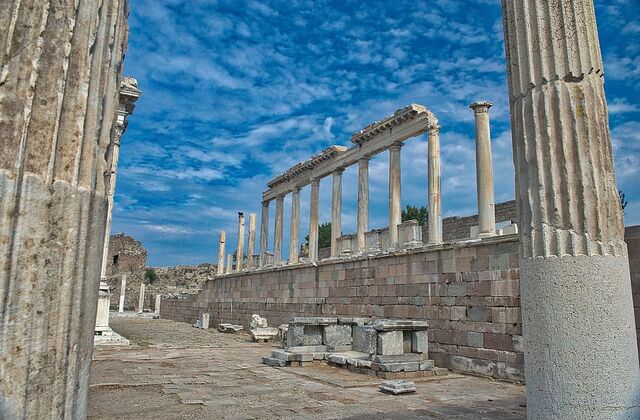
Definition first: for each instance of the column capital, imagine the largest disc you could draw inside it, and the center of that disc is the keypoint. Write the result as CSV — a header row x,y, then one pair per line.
x,y
481,107
315,180
296,189
338,171
396,146
364,161
433,129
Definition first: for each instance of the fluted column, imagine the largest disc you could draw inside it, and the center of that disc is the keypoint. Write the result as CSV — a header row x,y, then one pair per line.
x,y
61,69
336,211
277,234
240,250
221,252
313,219
395,196
363,203
294,230
264,233
435,195
484,170
581,357
251,246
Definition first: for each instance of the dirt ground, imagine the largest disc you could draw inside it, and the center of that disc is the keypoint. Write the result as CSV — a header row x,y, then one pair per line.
x,y
176,371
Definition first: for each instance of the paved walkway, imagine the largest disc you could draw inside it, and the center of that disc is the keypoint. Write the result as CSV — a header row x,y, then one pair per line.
x,y
176,371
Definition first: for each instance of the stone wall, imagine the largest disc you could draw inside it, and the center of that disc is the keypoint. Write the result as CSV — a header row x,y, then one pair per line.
x,y
126,255
469,294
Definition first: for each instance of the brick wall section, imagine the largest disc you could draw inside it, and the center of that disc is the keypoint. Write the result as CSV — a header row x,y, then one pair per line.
x,y
632,237
469,294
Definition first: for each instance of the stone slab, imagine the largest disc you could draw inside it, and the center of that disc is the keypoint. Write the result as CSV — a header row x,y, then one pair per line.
x,y
353,321
365,339
396,367
402,358
342,358
390,343
399,324
398,387
307,349
419,341
308,320
337,335
263,333
273,361
229,328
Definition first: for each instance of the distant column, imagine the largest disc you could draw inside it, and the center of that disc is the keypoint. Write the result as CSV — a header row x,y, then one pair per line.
x,y
363,202
221,252
123,289
395,200
264,233
252,240
294,230
277,234
313,219
141,298
157,307
240,250
484,170
336,211
229,268
435,197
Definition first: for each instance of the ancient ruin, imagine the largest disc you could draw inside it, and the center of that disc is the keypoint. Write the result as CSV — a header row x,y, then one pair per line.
x,y
543,297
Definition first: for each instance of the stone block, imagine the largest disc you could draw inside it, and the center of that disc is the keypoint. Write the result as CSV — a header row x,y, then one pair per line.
x,y
390,342
419,342
401,358
397,387
475,339
312,320
272,361
406,341
426,365
365,339
478,314
295,335
353,321
396,367
399,324
344,357
337,335
202,322
307,349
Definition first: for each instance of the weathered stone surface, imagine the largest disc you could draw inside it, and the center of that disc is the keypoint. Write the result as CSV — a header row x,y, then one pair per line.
x,y
306,320
400,358
304,335
390,342
399,324
343,357
353,320
258,322
365,339
295,335
229,328
307,349
273,361
202,321
267,333
337,335
396,367
419,342
398,387
61,68
574,261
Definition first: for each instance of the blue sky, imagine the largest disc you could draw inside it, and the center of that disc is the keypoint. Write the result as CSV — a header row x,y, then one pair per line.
x,y
235,92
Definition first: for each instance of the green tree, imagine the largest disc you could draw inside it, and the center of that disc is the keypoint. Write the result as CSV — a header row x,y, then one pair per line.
x,y
324,235
415,213
150,276
623,200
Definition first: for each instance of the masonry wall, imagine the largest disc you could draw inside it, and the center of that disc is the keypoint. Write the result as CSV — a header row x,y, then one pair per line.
x,y
632,237
469,294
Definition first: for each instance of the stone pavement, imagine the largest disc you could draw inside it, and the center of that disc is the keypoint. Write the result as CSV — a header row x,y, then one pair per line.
x,y
175,371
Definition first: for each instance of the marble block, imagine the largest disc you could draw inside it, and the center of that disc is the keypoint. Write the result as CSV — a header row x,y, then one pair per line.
x,y
390,343
398,387
419,341
337,335
365,339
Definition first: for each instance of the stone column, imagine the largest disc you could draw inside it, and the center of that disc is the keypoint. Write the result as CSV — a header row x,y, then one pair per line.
x,y
156,308
61,69
277,234
240,250
221,252
229,268
484,170
336,211
141,299
264,233
252,240
129,94
313,219
435,196
363,203
395,196
123,291
104,299
294,230
581,356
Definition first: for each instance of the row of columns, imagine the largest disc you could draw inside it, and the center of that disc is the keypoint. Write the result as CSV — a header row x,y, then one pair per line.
x,y
227,268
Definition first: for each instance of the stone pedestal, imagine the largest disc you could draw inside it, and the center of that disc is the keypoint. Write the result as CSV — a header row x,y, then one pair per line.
x,y
395,196
313,220
336,212
103,334
581,358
